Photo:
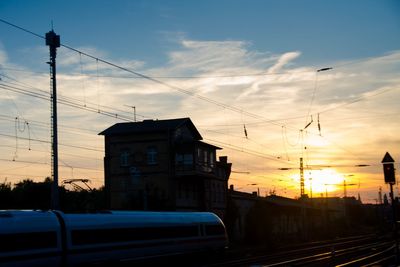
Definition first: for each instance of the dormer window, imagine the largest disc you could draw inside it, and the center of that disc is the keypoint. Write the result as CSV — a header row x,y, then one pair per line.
x,y
178,133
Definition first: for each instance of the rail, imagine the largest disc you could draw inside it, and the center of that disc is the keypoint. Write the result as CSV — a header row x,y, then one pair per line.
x,y
371,260
326,254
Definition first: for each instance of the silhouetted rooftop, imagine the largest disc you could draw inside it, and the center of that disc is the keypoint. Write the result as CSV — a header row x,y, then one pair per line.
x,y
149,126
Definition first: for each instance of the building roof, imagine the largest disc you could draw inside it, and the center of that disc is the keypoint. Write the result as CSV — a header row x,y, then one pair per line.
x,y
208,145
148,126
284,201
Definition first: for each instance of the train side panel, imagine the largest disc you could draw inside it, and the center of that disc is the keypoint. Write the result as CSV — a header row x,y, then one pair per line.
x,y
135,235
29,238
52,238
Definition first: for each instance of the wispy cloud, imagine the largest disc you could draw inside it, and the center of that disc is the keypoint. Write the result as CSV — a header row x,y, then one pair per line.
x,y
283,60
214,57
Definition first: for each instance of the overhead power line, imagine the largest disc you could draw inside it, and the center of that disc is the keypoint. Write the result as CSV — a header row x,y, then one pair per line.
x,y
158,81
22,29
46,151
46,125
358,99
65,102
190,93
184,91
45,163
48,142
247,151
79,102
169,77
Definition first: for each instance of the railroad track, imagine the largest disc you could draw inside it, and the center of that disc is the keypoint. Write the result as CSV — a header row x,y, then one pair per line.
x,y
357,251
384,257
357,255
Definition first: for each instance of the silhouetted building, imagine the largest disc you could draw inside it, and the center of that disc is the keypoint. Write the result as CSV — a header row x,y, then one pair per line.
x,y
336,207
271,219
163,165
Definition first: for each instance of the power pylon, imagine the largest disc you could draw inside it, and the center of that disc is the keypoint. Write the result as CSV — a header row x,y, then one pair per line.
x,y
301,178
53,41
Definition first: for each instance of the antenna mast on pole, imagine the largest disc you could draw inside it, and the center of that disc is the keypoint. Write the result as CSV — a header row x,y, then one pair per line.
x,y
53,41
134,112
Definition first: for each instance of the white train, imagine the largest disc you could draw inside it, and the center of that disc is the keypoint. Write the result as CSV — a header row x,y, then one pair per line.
x,y
52,238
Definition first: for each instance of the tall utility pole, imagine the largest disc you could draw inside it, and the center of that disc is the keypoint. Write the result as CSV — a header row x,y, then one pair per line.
x,y
301,178
53,41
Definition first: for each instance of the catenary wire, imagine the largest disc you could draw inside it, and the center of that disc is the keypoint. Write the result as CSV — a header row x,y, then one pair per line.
x,y
48,142
232,108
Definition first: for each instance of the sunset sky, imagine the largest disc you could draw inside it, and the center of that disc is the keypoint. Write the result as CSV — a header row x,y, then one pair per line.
x,y
318,80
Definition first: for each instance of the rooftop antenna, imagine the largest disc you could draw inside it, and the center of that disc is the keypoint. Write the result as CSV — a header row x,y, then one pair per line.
x,y
134,111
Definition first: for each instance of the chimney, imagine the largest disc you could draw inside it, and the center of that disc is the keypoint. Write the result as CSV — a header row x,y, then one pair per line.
x,y
223,159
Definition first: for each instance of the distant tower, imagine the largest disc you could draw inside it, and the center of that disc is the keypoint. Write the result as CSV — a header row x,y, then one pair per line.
x,y
301,178
380,195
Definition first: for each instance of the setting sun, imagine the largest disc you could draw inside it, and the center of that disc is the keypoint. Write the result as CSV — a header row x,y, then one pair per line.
x,y
321,181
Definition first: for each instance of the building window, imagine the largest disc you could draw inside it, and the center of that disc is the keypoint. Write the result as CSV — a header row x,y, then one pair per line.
x,y
178,159
187,159
183,162
199,158
124,159
183,159
212,159
152,155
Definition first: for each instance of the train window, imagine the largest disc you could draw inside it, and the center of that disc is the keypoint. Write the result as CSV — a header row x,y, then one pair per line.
x,y
28,241
214,229
84,237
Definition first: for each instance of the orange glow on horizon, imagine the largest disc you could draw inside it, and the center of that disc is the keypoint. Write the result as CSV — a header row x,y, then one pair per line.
x,y
321,181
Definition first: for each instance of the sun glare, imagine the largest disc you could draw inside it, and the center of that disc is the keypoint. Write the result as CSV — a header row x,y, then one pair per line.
x,y
326,180
321,181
